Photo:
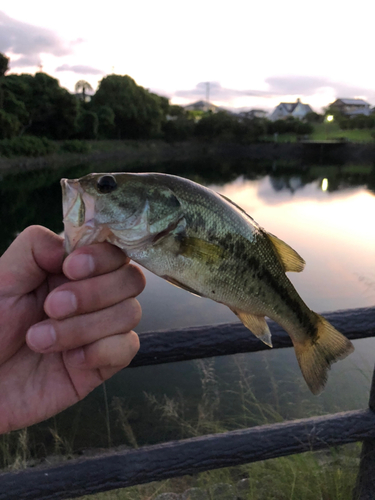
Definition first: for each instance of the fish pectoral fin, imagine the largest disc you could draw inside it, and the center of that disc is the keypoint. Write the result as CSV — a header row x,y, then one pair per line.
x,y
256,324
176,283
290,259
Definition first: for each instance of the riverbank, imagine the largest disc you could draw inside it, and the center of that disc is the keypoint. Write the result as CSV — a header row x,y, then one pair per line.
x,y
153,151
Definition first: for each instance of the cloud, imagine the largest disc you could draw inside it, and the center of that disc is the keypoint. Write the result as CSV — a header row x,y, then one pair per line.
x,y
80,69
278,86
308,85
28,42
217,92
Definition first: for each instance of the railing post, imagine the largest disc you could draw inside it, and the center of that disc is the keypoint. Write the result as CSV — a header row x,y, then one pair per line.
x,y
365,484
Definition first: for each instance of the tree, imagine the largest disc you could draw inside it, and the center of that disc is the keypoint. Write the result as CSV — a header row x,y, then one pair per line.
x,y
4,64
88,124
9,125
82,86
138,113
4,61
47,109
106,117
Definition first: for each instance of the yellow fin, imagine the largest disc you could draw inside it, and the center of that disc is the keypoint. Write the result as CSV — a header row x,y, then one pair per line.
x,y
316,356
289,257
196,248
256,324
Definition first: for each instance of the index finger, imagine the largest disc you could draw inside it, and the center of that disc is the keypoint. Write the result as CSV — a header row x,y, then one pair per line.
x,y
93,260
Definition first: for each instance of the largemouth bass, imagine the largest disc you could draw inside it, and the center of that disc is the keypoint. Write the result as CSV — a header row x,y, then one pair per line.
x,y
202,242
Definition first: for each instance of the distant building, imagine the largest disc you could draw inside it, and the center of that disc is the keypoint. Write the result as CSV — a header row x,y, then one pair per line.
x,y
352,107
202,106
255,113
294,109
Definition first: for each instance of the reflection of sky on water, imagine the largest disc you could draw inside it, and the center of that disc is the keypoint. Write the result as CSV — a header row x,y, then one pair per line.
x,y
331,230
334,234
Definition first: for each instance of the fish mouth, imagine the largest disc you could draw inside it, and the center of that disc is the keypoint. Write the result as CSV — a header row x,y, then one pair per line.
x,y
80,227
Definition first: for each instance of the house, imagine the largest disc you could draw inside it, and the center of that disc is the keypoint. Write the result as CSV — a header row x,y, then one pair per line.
x,y
255,113
202,106
294,109
352,107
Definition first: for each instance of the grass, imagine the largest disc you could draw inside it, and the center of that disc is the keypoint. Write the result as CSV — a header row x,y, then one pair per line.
x,y
324,475
327,131
330,131
310,476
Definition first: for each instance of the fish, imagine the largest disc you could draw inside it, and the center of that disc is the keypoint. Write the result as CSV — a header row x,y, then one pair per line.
x,y
202,242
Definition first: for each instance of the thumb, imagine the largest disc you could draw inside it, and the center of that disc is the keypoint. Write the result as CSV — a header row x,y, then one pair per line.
x,y
36,252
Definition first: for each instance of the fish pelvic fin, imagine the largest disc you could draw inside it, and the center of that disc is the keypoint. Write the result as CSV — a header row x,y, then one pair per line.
x,y
256,324
290,259
316,356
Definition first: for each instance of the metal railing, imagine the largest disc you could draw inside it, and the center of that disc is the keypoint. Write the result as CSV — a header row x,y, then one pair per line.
x,y
189,456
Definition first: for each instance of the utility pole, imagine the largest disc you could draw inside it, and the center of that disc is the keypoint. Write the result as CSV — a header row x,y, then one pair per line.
x,y
207,96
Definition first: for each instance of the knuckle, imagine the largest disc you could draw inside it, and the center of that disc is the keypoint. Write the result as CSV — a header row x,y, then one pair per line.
x,y
31,232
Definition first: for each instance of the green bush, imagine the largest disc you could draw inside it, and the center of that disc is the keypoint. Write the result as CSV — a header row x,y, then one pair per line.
x,y
76,146
87,124
9,125
26,146
180,129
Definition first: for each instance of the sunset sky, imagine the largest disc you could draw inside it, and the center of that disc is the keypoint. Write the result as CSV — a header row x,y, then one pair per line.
x,y
254,54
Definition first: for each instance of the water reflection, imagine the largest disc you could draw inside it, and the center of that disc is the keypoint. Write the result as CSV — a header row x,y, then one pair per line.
x,y
332,229
35,197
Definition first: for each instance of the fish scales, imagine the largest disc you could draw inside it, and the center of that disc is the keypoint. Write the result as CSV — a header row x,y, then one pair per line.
x,y
202,242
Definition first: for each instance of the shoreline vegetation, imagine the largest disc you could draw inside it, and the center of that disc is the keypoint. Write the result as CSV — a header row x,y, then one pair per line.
x,y
42,124
149,151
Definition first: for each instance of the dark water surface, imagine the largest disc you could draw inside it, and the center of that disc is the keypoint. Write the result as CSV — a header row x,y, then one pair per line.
x,y
325,212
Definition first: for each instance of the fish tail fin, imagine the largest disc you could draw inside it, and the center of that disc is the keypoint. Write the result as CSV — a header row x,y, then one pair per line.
x,y
315,356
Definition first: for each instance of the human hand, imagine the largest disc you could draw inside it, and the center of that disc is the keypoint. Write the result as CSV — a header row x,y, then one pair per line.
x,y
65,325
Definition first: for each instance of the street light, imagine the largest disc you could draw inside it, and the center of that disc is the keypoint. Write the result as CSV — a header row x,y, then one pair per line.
x,y
328,119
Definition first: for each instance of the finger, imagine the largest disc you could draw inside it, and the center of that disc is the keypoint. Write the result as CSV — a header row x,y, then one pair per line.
x,y
93,260
36,252
94,294
53,335
108,355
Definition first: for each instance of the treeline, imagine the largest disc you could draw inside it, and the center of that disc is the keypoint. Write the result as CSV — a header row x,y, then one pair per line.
x,y
36,105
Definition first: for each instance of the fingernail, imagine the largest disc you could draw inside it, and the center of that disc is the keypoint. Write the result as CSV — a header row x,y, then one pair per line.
x,y
62,303
41,337
81,265
76,357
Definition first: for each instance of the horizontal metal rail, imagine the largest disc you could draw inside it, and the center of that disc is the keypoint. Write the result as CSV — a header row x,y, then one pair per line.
x,y
168,346
189,456
152,463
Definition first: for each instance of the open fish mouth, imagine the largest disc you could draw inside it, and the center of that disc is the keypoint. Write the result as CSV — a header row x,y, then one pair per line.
x,y
80,226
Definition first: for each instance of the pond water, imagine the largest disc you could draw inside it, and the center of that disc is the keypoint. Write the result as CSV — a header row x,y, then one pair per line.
x,y
326,213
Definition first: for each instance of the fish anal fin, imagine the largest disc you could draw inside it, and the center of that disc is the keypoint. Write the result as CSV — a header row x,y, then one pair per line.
x,y
290,259
316,356
256,324
178,284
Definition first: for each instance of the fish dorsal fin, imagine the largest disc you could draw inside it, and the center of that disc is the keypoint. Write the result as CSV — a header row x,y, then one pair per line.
x,y
256,324
178,284
289,257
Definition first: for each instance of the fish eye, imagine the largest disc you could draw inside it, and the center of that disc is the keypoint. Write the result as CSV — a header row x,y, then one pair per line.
x,y
106,184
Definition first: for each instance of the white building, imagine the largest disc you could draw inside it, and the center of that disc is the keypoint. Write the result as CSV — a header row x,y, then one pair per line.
x,y
294,109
